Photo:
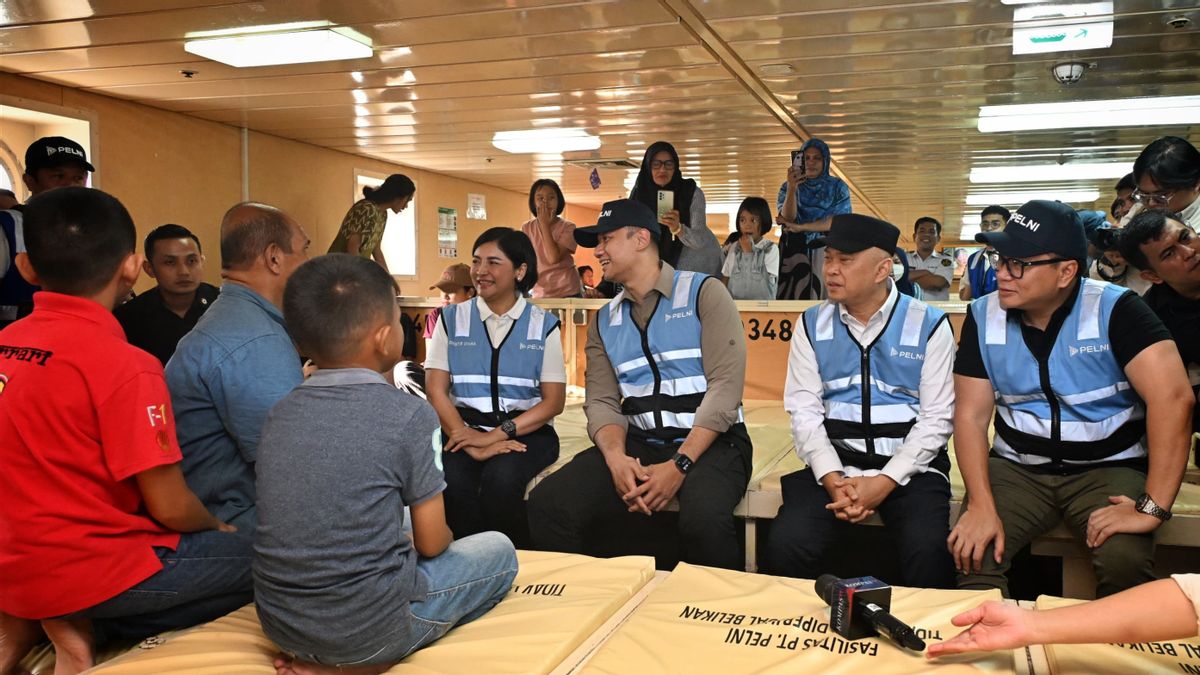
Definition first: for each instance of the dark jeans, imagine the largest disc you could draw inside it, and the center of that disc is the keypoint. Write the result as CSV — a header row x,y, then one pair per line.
x,y
567,506
205,577
490,495
918,514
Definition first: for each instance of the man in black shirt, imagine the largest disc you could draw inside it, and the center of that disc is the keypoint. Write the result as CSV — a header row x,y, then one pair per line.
x,y
1092,409
1167,251
157,319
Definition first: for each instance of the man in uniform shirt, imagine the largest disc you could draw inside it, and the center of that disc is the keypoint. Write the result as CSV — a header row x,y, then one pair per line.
x,y
1093,409
666,363
927,269
157,319
871,394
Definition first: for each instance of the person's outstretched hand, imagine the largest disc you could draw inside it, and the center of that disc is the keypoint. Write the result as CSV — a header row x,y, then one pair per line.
x,y
993,625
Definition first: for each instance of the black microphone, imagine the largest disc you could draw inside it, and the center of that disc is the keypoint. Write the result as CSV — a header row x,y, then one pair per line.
x,y
859,608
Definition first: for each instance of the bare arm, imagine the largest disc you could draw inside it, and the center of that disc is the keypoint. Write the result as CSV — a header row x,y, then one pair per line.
x,y
431,535
353,243
377,256
554,399
437,390
1155,611
1158,376
544,222
979,524
171,502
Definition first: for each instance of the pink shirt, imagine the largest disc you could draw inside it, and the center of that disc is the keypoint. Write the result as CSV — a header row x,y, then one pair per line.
x,y
560,280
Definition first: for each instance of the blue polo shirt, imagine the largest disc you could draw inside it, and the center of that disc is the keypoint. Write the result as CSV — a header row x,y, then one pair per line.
x,y
236,364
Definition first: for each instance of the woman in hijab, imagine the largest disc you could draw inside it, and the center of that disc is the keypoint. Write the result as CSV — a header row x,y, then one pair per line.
x,y
807,201
687,244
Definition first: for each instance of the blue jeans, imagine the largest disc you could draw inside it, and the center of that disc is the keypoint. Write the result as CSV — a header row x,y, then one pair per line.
x,y
464,582
205,577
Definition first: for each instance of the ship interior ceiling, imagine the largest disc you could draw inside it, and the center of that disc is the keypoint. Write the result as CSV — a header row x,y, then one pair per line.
x,y
895,88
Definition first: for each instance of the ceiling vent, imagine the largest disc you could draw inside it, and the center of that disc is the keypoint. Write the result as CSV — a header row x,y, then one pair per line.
x,y
618,164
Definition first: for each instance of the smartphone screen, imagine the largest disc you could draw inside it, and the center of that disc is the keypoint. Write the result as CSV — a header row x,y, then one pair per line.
x,y
798,160
666,202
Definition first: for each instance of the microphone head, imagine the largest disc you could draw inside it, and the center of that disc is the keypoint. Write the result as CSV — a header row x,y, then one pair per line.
x,y
824,587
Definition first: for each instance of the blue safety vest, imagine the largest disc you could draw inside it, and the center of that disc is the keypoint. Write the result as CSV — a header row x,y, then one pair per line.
x,y
492,383
872,392
14,290
660,370
981,274
1076,407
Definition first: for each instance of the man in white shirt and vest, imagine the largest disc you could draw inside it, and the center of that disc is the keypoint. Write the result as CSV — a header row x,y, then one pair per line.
x,y
1092,409
871,394
666,364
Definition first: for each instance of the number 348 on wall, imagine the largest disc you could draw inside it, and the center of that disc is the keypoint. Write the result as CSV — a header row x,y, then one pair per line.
x,y
768,331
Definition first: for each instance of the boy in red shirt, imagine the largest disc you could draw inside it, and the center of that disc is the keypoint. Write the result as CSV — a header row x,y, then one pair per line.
x,y
92,498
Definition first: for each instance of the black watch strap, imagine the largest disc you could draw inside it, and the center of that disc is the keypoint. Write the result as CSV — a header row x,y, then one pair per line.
x,y
509,428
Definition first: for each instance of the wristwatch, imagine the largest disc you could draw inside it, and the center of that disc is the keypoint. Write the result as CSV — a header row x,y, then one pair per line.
x,y
1147,506
682,462
509,428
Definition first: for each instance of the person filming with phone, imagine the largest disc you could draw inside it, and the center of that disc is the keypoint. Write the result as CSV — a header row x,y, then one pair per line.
x,y
686,244
807,201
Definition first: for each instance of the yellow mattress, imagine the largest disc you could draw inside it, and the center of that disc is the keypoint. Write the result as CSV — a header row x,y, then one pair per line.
x,y
558,600
1176,656
705,620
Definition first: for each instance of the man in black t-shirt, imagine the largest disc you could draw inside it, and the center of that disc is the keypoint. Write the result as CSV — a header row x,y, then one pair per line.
x,y
1167,251
157,319
1092,409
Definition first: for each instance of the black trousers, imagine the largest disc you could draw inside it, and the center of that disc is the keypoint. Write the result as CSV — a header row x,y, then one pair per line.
x,y
566,508
918,515
490,495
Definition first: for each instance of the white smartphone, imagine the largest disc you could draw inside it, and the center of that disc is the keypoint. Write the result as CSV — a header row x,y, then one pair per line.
x,y
666,202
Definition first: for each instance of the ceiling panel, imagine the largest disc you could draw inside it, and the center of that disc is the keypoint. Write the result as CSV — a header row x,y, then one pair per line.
x,y
893,87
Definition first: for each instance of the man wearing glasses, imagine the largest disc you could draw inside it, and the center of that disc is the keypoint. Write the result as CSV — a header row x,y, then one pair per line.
x,y
1093,410
1168,177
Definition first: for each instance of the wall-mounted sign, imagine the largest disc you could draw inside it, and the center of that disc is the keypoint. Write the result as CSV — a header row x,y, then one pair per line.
x,y
476,206
1041,29
447,232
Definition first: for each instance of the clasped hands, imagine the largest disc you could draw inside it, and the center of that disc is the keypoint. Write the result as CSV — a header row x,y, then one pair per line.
x,y
481,445
854,499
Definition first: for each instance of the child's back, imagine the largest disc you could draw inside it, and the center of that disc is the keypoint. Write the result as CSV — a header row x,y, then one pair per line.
x,y
337,579
340,457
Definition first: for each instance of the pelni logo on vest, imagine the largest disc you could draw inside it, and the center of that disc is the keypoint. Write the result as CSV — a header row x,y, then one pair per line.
x,y
907,355
1089,349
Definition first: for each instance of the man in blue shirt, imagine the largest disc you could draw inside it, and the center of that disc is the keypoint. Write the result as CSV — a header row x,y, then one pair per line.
x,y
238,361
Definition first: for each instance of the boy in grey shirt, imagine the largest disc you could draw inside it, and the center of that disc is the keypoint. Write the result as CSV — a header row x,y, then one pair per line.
x,y
340,586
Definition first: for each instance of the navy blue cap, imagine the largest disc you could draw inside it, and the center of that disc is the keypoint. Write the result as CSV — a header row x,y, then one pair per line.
x,y
613,216
854,232
52,151
1038,227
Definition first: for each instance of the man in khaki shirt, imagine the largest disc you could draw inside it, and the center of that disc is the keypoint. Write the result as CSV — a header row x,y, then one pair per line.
x,y
666,363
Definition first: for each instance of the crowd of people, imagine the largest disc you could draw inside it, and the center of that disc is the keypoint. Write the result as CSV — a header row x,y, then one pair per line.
x,y
173,457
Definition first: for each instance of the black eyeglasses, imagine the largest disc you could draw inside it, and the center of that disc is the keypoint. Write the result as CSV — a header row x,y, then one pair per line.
x,y
669,165
1016,267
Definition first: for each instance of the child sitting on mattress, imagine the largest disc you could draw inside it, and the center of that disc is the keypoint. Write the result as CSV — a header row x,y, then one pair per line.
x,y
340,586
92,497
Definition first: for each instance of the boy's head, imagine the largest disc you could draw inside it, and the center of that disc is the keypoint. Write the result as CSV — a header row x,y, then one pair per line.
x,y
341,311
174,259
455,285
54,162
79,241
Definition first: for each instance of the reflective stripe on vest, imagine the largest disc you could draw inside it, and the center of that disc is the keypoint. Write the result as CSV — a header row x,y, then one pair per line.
x,y
868,424
498,382
1091,414
660,371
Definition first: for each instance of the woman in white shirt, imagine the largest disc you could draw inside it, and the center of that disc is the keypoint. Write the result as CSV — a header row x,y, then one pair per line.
x,y
495,376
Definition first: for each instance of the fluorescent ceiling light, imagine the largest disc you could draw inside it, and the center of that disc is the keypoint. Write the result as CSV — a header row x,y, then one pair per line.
x,y
1067,196
278,48
968,231
1128,112
545,141
1049,172
1041,29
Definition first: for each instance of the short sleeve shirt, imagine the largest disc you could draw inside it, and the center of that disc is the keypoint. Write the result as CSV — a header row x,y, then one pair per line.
x,y
940,264
366,219
151,326
81,414
560,279
333,565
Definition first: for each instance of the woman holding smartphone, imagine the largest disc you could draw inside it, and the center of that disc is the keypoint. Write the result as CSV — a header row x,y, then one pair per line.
x,y
807,201
687,244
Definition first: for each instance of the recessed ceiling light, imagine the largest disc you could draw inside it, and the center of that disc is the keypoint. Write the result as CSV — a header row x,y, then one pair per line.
x,y
253,49
545,141
1128,112
1049,172
1018,198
